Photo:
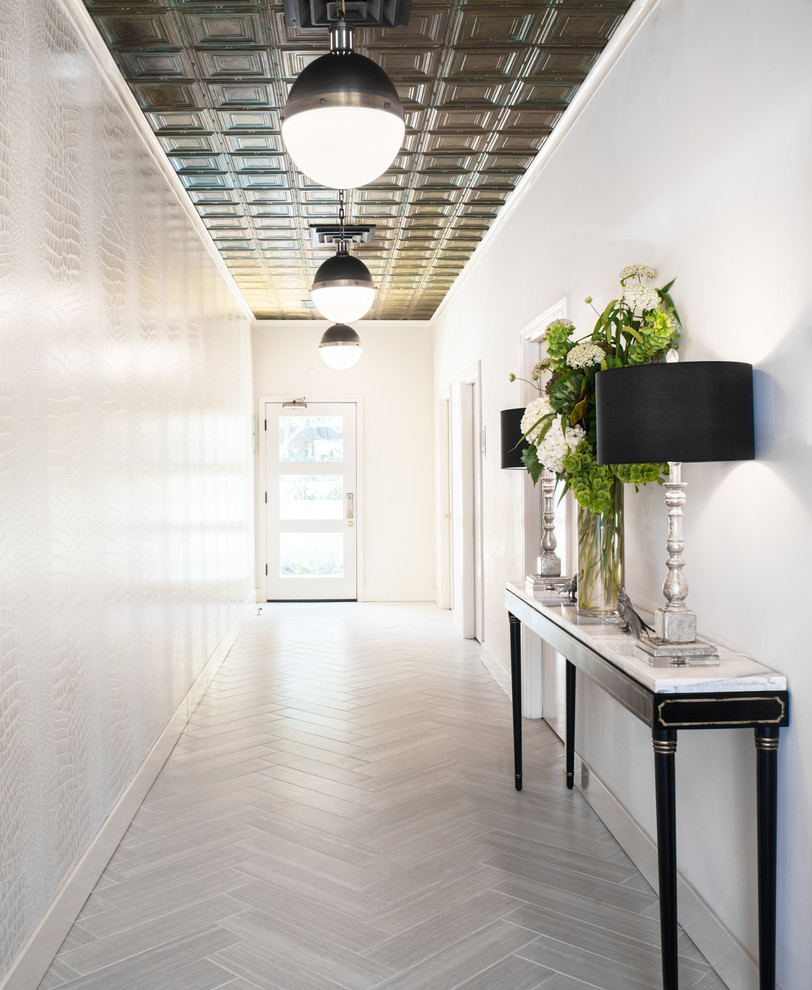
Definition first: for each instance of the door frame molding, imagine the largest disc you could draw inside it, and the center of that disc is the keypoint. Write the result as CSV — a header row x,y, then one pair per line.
x,y
471,606
261,511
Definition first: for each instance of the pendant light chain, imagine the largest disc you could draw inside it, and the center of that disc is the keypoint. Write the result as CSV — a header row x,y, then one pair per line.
x,y
342,237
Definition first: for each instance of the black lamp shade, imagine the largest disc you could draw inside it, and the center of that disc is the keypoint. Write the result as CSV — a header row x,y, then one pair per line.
x,y
343,269
512,442
343,79
685,411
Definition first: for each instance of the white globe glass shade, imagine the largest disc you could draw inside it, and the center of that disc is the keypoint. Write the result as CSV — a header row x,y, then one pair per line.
x,y
343,147
343,303
340,356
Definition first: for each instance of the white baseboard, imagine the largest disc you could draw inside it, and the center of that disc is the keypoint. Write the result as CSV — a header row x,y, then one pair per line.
x,y
32,962
491,663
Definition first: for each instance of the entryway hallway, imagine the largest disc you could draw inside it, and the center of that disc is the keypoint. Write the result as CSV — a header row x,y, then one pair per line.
x,y
340,813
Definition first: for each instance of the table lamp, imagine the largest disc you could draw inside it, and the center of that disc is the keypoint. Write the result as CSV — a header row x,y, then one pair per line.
x,y
675,412
548,565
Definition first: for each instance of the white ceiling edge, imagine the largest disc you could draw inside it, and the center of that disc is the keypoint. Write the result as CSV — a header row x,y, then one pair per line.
x,y
609,57
358,325
80,17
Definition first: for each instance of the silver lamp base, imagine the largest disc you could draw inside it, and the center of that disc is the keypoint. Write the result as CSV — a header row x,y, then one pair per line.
x,y
539,585
674,643
661,653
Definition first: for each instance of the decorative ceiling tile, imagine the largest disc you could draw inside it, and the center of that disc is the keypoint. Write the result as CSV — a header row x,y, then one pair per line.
x,y
482,85
230,28
233,64
238,143
496,64
165,94
133,30
156,65
249,120
178,120
183,144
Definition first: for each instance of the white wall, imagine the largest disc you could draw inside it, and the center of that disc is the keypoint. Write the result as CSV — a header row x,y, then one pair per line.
x,y
393,378
125,531
695,156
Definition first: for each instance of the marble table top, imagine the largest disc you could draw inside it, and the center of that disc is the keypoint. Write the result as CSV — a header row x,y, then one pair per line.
x,y
734,672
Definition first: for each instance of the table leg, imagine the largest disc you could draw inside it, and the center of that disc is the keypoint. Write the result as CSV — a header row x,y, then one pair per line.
x,y
516,692
767,786
665,748
569,744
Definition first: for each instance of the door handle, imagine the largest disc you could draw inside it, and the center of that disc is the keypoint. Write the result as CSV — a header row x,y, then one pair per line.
x,y
350,505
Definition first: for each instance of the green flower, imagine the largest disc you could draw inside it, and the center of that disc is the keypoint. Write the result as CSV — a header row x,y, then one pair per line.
x,y
557,336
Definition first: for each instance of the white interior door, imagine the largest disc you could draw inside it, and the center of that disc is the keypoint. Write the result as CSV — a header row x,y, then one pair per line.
x,y
311,501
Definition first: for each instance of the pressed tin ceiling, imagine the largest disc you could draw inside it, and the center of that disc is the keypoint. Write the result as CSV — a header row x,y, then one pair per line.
x,y
482,82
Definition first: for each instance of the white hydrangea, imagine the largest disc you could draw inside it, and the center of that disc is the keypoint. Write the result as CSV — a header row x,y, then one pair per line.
x,y
533,413
642,271
638,296
584,355
557,444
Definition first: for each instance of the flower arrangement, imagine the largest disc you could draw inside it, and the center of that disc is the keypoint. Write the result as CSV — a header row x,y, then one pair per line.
x,y
638,327
560,425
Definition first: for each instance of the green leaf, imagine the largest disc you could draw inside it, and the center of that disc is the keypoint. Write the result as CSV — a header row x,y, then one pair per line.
x,y
532,463
579,410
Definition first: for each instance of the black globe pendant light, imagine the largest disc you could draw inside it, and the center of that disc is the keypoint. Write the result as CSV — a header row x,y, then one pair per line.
x,y
340,347
343,289
343,122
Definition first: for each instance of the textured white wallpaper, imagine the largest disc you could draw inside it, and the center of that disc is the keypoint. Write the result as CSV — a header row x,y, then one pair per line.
x,y
125,456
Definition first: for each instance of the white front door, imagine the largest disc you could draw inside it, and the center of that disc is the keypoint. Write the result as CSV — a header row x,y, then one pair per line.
x,y
311,505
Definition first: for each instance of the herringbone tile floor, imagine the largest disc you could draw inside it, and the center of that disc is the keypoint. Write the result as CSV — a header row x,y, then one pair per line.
x,y
340,813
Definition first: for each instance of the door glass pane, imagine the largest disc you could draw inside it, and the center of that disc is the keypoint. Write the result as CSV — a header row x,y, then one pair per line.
x,y
311,554
311,438
311,496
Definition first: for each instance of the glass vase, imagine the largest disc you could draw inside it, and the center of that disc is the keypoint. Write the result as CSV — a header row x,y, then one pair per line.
x,y
601,556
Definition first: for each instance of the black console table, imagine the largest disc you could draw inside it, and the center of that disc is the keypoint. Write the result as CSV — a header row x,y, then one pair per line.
x,y
738,693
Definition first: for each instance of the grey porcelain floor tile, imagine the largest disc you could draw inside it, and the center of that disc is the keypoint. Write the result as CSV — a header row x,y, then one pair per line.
x,y
150,969
202,974
311,948
419,845
276,845
319,753
712,982
222,838
159,902
461,961
582,908
614,948
58,975
151,935
303,911
323,890
429,937
356,775
511,973
434,900
283,792
312,829
441,866
561,982
644,973
572,880
259,968
579,862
